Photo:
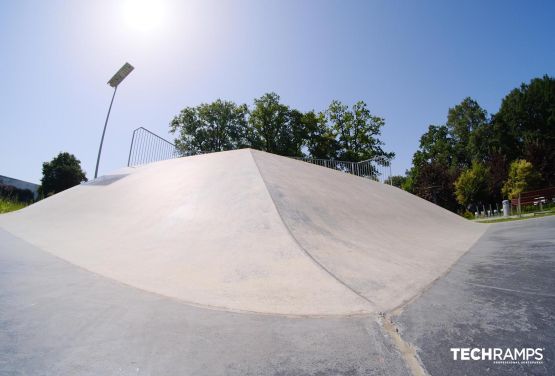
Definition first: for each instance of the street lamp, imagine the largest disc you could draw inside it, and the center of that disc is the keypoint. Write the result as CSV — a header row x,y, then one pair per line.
x,y
114,82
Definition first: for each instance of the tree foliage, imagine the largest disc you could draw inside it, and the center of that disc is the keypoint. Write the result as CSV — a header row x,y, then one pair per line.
x,y
398,181
216,126
434,169
339,132
356,132
466,125
276,128
525,126
61,173
475,150
522,177
471,187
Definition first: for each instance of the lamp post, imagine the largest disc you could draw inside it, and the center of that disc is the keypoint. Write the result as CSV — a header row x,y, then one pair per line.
x,y
114,82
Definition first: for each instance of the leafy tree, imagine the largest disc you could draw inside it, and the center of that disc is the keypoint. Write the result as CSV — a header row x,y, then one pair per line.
x,y
524,128
432,174
61,173
216,126
357,132
471,187
408,184
398,181
522,177
338,133
467,125
339,123
435,146
274,127
446,150
525,125
321,141
434,182
497,165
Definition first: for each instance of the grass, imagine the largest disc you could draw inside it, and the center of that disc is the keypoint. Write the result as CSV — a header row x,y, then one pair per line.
x,y
7,205
545,213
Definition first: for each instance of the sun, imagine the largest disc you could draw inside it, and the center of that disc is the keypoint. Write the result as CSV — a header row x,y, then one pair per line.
x,y
144,15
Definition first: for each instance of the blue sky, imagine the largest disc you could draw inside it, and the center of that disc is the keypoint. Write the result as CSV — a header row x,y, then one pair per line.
x,y
408,60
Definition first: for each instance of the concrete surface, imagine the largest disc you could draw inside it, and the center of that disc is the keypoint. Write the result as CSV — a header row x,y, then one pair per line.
x,y
501,294
142,272
57,319
250,231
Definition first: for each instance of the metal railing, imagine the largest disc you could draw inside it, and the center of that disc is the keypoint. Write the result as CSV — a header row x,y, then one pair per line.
x,y
370,169
147,147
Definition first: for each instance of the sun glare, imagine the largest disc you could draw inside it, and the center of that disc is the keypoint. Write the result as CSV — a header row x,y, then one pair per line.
x,y
144,15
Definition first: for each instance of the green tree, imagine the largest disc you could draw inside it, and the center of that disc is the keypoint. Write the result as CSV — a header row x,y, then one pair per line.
x,y
216,126
357,132
467,125
471,187
434,182
61,173
433,169
435,146
446,150
522,177
525,126
275,128
398,181
321,141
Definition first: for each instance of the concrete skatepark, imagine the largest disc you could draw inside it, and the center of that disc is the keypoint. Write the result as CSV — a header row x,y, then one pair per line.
x,y
244,262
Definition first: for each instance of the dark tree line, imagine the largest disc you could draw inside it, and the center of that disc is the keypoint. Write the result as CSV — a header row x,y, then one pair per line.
x,y
339,132
475,158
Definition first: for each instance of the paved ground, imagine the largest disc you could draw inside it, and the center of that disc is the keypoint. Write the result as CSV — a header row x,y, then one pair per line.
x,y
500,294
247,263
57,319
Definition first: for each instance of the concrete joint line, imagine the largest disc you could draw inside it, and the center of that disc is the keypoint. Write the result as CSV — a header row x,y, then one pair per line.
x,y
408,352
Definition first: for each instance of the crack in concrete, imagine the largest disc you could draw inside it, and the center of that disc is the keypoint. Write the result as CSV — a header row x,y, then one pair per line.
x,y
407,350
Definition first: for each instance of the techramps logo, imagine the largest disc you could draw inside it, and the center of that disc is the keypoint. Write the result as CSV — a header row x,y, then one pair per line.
x,y
524,355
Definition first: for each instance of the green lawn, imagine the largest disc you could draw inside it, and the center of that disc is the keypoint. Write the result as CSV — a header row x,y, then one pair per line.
x,y
524,216
7,205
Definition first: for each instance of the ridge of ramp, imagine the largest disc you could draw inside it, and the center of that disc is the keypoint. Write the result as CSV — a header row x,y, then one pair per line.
x,y
202,229
308,254
382,242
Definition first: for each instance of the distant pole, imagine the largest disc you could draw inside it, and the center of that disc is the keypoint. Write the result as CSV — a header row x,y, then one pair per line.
x,y
114,82
390,177
104,132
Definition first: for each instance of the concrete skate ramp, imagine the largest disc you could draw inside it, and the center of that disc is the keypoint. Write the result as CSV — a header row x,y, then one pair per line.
x,y
251,231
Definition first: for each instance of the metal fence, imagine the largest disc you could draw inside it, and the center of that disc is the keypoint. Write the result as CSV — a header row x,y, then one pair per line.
x,y
370,169
147,147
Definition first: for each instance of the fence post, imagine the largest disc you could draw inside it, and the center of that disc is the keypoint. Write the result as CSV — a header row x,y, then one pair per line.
x,y
131,147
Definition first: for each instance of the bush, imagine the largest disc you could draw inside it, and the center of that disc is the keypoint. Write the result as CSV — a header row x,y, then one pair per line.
x,y
63,172
468,215
12,193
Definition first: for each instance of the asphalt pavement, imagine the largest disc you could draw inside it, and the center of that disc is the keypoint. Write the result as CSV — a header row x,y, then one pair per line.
x,y
501,294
